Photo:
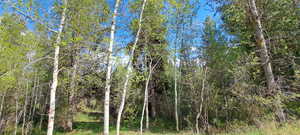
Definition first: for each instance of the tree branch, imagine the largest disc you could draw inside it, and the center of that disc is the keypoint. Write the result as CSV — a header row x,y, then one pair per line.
x,y
28,16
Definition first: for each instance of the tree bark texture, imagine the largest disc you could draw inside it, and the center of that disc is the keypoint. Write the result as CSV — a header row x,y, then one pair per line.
x,y
55,72
109,69
264,57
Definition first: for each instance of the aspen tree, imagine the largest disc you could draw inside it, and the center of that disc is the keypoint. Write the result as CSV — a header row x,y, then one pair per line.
x,y
109,68
55,71
146,96
125,87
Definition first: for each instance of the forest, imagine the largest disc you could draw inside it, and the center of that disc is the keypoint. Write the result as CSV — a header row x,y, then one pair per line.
x,y
152,67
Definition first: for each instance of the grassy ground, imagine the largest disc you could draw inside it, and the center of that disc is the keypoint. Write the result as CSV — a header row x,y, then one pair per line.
x,y
88,124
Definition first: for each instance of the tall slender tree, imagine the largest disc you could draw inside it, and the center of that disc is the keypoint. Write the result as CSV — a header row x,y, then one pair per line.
x,y
56,70
264,56
128,66
109,69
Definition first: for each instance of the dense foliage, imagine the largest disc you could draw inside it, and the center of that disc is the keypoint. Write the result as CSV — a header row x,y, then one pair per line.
x,y
213,70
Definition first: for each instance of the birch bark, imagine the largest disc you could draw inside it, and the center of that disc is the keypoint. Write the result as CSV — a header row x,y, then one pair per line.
x,y
175,91
145,99
201,102
25,108
125,87
16,121
55,72
109,68
2,104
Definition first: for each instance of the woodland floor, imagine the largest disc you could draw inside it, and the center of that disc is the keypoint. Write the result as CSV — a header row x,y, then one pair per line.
x,y
88,124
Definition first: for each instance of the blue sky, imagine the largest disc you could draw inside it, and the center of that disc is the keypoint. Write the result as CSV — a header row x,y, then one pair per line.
x,y
123,34
203,12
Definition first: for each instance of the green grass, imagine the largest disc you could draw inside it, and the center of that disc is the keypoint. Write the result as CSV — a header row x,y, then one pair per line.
x,y
87,117
270,128
89,124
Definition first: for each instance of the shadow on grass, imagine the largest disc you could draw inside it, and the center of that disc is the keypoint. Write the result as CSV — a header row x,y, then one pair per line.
x,y
87,123
95,127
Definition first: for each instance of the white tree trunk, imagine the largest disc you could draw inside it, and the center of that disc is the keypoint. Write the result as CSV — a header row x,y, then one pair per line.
x,y
176,102
109,69
197,123
33,106
35,98
52,94
175,91
55,73
2,104
125,87
201,102
16,121
25,108
145,100
147,111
